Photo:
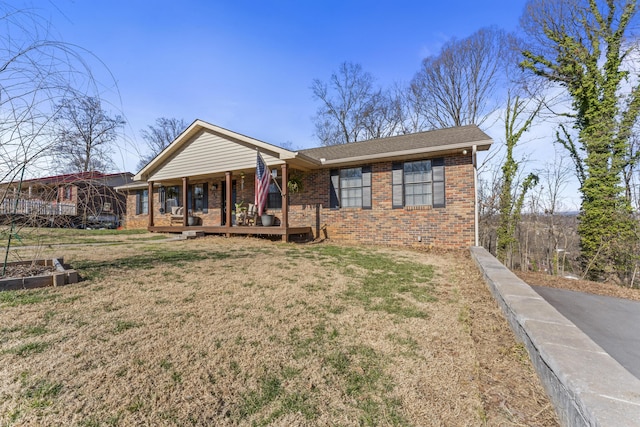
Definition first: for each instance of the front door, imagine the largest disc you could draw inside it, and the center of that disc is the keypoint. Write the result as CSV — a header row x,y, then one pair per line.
x,y
223,211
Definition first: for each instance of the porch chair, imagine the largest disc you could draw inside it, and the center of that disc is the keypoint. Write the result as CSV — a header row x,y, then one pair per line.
x,y
177,215
252,214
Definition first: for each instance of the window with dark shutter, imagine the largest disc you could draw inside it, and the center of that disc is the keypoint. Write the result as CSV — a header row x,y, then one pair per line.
x,y
397,185
438,183
418,190
418,183
205,198
351,188
334,190
366,187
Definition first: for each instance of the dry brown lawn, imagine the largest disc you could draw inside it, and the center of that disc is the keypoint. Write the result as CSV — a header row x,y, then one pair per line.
x,y
245,331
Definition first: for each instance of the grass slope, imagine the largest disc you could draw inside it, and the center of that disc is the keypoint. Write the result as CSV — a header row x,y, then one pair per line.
x,y
242,331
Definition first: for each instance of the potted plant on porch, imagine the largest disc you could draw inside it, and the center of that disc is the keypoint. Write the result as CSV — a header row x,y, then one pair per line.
x,y
239,213
266,218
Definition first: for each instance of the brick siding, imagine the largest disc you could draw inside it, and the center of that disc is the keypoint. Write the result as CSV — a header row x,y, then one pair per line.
x,y
450,227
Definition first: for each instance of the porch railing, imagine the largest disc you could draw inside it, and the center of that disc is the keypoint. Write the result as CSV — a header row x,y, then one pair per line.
x,y
36,207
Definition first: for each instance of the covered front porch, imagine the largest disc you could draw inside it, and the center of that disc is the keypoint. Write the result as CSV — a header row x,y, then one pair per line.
x,y
206,174
224,191
285,232
184,221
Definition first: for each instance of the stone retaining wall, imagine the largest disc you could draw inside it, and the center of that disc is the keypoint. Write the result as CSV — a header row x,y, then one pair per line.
x,y
585,384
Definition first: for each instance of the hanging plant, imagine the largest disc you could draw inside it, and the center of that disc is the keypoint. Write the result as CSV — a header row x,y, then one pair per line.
x,y
294,184
171,192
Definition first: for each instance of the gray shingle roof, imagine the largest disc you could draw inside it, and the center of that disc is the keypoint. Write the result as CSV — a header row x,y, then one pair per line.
x,y
429,140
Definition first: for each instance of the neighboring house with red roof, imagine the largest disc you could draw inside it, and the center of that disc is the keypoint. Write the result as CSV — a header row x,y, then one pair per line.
x,y
416,189
75,199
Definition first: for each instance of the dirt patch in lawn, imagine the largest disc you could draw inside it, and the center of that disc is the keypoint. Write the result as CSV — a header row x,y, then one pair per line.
x,y
242,331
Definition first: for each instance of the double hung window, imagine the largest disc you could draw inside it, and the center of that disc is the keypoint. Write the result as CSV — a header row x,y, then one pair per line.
x,y
418,183
198,197
274,199
351,188
142,202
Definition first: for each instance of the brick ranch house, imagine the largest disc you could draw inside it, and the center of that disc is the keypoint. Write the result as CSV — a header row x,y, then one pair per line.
x,y
69,200
416,189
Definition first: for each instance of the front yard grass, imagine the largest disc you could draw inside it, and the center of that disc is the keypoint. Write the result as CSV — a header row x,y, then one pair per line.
x,y
244,331
30,236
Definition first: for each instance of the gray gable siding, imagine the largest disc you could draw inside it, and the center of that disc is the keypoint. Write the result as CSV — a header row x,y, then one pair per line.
x,y
207,154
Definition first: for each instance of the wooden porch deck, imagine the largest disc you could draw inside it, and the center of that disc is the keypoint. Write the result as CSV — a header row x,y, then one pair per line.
x,y
237,230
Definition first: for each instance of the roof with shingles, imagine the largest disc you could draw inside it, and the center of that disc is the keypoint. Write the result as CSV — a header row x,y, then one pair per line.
x,y
433,139
70,178
204,150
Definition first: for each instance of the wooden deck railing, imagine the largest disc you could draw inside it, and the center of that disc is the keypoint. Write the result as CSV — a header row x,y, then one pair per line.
x,y
36,207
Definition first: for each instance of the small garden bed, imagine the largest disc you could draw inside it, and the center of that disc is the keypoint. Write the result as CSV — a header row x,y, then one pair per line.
x,y
36,274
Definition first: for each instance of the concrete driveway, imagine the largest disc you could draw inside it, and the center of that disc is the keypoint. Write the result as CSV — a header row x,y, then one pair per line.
x,y
612,323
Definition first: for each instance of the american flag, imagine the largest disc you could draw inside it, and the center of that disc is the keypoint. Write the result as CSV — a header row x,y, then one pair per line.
x,y
263,178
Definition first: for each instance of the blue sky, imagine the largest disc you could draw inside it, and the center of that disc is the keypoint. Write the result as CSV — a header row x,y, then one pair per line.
x,y
248,65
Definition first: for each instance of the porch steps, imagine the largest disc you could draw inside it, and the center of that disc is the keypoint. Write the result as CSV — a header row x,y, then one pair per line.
x,y
192,234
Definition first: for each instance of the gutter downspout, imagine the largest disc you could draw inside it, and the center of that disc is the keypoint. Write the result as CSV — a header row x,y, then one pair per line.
x,y
475,190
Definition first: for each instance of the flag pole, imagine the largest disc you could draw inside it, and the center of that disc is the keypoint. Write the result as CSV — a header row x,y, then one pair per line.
x,y
273,180
278,185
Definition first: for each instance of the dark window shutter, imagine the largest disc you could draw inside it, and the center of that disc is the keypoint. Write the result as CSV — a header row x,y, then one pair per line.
x,y
334,190
205,198
366,187
162,199
138,202
397,185
437,166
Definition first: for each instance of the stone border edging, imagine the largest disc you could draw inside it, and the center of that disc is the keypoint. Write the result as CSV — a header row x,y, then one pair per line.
x,y
585,384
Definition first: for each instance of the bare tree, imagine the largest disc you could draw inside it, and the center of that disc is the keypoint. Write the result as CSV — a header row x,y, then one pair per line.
x,y
457,86
382,118
352,108
160,136
407,103
519,116
489,185
85,134
37,72
554,178
631,168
